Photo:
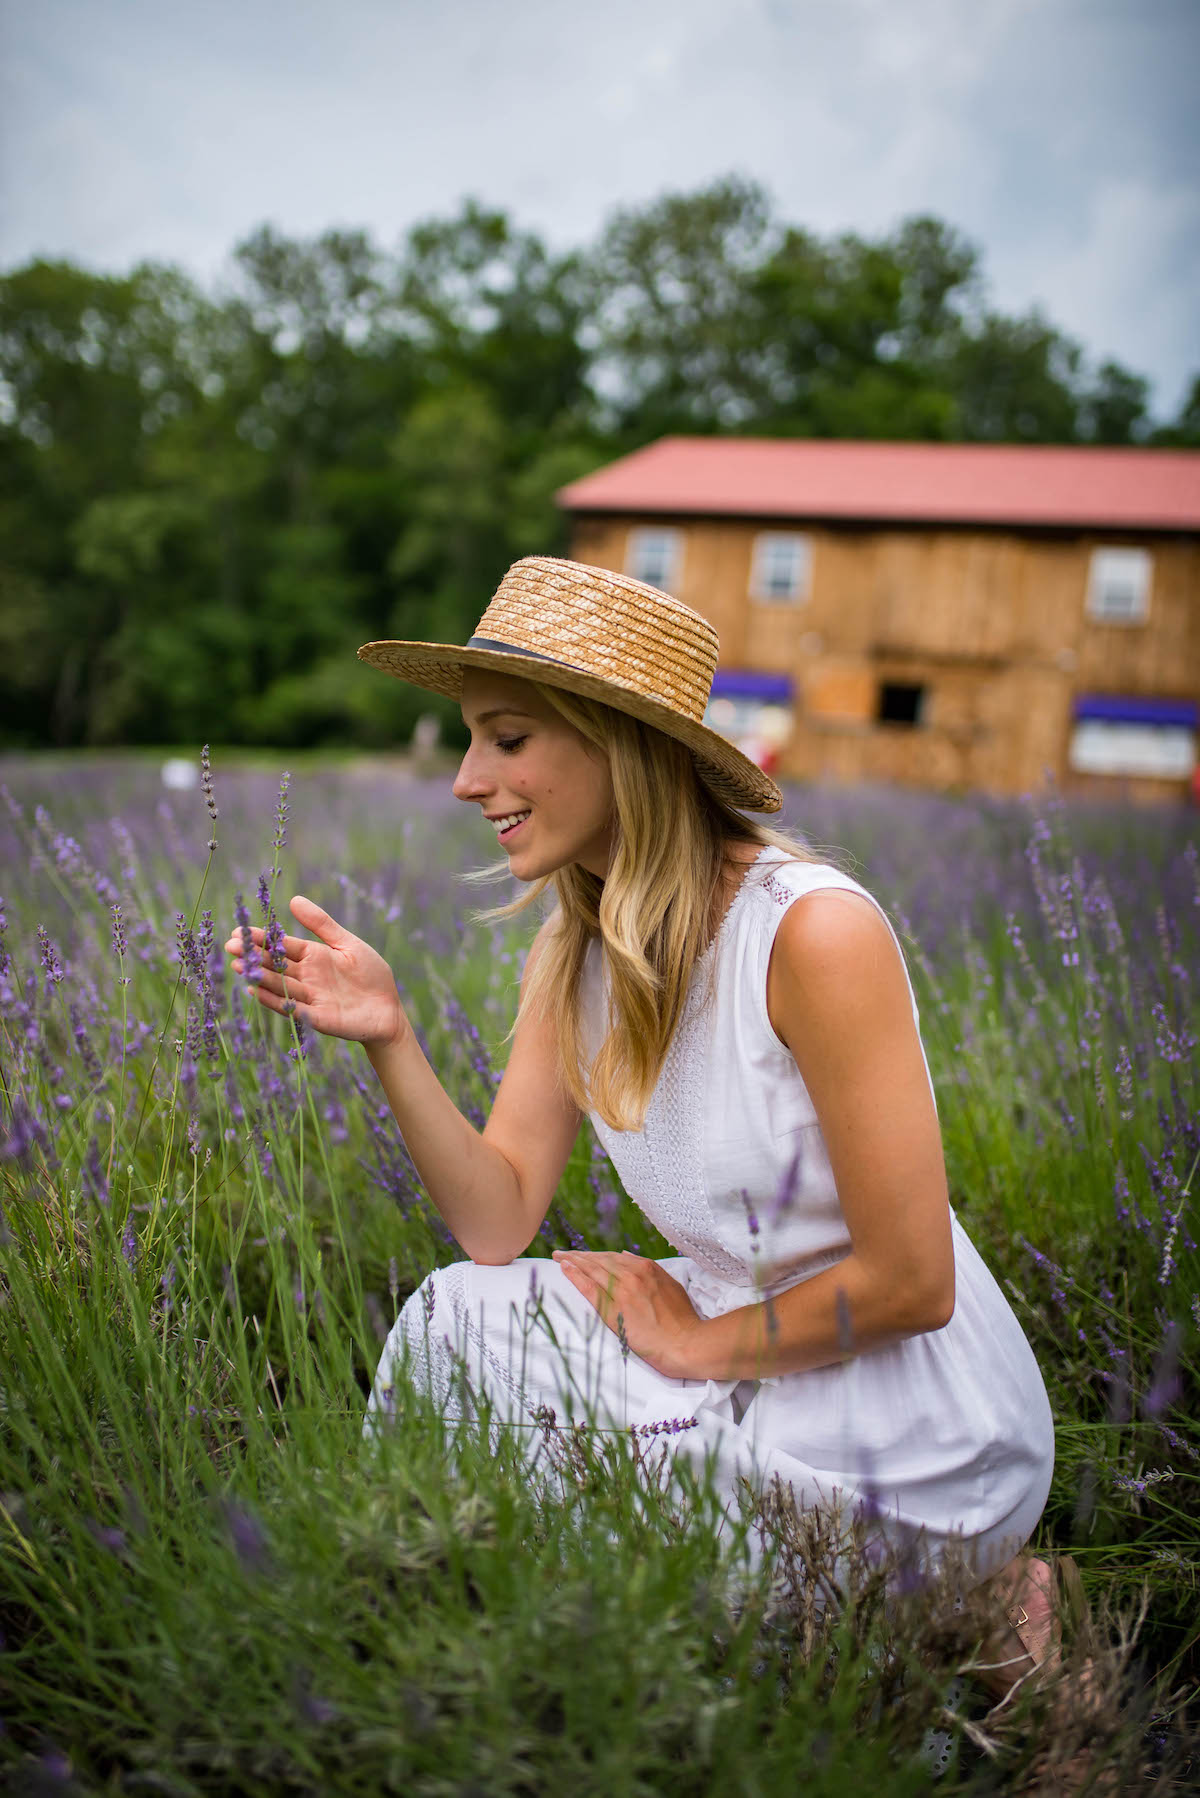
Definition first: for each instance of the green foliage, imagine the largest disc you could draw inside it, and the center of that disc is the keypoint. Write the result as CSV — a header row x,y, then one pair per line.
x,y
209,496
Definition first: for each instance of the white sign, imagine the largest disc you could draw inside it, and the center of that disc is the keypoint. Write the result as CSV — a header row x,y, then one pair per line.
x,y
1164,751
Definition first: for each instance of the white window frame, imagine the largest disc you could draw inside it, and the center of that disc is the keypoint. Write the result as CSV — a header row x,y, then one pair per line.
x,y
771,550
1119,581
661,548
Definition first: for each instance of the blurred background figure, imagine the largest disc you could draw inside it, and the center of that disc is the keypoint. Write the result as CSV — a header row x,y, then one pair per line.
x,y
179,775
427,733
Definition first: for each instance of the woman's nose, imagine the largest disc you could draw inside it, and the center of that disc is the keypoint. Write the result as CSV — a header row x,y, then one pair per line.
x,y
470,783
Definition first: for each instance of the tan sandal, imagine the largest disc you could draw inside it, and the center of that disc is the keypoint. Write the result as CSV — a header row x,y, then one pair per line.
x,y
1036,1596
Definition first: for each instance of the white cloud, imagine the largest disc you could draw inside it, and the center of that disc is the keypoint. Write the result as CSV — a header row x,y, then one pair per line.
x,y
1127,271
1055,132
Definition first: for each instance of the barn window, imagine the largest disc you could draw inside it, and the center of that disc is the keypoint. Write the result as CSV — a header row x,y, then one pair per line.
x,y
655,556
901,702
782,567
1119,585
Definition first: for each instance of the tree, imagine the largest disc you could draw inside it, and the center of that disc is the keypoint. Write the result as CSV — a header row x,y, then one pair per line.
x,y
1184,431
207,499
493,310
1114,406
678,327
1015,380
94,369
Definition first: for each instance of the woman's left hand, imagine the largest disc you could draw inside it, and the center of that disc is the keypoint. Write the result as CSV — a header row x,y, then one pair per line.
x,y
640,1303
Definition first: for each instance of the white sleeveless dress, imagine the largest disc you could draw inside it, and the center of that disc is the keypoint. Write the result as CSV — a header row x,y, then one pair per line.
x,y
946,1435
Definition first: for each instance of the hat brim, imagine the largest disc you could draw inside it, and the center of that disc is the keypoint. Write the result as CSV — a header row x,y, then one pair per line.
x,y
438,667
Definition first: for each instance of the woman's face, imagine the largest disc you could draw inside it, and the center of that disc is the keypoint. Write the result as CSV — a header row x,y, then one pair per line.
x,y
546,790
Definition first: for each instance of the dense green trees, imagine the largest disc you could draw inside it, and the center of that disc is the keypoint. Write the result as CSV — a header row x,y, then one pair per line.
x,y
207,499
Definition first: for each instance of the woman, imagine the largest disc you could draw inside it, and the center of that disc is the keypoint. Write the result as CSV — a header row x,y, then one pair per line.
x,y
735,1017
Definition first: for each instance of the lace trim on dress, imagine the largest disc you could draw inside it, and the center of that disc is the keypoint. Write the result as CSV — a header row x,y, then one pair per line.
x,y
775,889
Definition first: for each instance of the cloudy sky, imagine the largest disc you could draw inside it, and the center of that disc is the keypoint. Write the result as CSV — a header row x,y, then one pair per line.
x,y
1061,135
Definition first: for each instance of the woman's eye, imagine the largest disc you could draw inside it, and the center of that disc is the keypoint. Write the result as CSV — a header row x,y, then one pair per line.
x,y
509,744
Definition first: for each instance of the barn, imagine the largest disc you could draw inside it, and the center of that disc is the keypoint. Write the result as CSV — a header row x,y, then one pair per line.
x,y
956,616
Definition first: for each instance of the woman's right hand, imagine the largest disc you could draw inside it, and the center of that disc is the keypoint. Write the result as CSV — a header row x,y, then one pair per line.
x,y
338,984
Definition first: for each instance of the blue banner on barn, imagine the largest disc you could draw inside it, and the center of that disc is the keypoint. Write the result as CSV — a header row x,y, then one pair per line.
x,y
747,683
1119,708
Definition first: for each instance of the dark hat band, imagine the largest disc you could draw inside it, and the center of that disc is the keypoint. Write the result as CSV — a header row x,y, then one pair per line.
x,y
514,649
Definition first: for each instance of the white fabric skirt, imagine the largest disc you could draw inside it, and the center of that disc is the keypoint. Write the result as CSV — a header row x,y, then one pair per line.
x,y
945,1437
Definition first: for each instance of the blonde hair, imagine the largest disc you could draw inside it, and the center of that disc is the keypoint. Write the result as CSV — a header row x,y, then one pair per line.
x,y
654,913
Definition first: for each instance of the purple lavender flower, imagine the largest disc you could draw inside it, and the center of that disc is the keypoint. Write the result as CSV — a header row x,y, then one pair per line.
x,y
26,1132
251,960
94,1177
1173,1045
54,1766
83,1043
1165,1384
247,1536
567,1229
262,1143
119,941
665,1426
50,961
311,1707
1059,1281
206,787
274,952
190,958
107,1535
281,811
788,1187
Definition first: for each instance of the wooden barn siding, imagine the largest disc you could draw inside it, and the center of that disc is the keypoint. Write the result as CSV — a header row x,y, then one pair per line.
x,y
993,623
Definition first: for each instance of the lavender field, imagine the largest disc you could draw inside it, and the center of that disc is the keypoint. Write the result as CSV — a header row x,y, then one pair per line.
x,y
208,1585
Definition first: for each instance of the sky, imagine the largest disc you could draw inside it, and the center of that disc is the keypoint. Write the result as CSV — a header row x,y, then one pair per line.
x,y
1062,136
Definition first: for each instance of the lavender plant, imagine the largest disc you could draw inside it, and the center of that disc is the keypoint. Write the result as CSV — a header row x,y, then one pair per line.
x,y
209,1222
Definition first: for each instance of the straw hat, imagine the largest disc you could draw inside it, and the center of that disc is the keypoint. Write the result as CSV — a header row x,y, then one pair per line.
x,y
604,636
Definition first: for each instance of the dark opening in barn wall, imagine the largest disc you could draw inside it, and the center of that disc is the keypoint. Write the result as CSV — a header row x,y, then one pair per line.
x,y
901,702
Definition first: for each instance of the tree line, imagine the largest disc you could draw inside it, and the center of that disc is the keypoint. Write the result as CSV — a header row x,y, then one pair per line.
x,y
208,498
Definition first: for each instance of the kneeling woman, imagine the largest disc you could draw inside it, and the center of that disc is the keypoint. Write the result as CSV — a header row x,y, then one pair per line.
x,y
736,1019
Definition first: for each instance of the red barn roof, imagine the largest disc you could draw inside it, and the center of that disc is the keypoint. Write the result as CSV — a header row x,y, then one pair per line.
x,y
930,483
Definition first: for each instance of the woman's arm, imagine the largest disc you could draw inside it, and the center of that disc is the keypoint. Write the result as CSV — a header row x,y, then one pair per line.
x,y
838,998
494,1187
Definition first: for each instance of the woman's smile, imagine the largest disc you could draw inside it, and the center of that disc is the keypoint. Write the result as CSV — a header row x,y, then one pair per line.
x,y
507,826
